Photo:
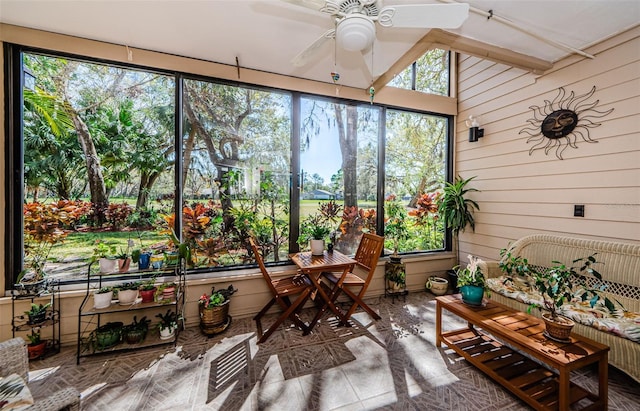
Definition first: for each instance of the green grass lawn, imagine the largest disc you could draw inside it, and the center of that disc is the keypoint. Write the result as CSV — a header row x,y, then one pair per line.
x,y
80,244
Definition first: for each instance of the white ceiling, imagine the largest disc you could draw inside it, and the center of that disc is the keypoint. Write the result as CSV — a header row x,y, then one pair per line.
x,y
266,35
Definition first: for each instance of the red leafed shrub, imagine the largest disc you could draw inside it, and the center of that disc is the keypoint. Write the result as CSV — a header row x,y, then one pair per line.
x,y
117,215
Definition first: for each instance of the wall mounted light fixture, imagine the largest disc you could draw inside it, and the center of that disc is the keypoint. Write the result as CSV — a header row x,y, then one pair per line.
x,y
475,132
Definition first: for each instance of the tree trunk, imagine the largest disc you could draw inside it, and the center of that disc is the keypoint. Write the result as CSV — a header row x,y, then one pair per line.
x,y
147,180
186,154
94,170
348,138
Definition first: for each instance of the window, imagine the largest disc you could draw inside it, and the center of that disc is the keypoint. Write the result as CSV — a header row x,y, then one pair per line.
x,y
339,161
121,158
428,74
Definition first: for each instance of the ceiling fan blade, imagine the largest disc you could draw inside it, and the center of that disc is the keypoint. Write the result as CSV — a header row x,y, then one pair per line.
x,y
442,16
304,56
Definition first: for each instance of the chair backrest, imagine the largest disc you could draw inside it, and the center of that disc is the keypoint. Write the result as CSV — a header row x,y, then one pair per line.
x,y
263,269
368,254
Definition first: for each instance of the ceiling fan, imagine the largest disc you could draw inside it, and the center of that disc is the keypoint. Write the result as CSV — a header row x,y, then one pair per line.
x,y
355,21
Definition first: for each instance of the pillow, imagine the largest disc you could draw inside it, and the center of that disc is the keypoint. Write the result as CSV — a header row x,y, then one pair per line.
x,y
14,393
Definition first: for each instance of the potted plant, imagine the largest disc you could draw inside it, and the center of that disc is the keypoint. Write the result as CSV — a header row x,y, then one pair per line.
x,y
142,258
128,292
108,335
557,287
44,227
395,230
156,260
123,260
168,324
102,297
457,212
166,292
105,254
135,332
36,346
148,290
214,310
471,282
314,230
38,313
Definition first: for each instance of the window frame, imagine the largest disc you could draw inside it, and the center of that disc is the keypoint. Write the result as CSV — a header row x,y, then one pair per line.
x,y
14,179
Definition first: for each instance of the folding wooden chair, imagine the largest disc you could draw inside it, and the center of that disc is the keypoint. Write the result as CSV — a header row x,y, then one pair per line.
x,y
282,289
367,258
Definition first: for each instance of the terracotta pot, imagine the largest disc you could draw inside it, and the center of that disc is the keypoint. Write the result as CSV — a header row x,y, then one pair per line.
x,y
36,350
123,264
169,293
148,295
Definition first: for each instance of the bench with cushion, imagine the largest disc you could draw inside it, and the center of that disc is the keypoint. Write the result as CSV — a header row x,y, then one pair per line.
x,y
619,264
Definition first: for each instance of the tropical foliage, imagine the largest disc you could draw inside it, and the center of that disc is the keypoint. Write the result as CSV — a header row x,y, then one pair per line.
x,y
105,137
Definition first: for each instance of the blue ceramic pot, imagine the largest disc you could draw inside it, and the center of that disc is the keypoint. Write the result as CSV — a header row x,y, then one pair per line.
x,y
143,262
472,294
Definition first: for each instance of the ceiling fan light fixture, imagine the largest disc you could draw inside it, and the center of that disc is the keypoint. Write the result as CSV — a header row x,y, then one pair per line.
x,y
355,32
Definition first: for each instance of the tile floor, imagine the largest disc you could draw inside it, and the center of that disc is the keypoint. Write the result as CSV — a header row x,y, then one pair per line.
x,y
390,364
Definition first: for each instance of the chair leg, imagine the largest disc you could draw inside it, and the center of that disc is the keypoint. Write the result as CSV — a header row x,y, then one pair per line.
x,y
302,298
357,301
260,314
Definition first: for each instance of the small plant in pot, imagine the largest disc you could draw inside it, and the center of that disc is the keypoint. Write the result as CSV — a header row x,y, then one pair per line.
x,y
148,290
102,297
168,324
105,254
314,231
166,292
108,335
142,258
395,230
558,286
471,282
128,292
136,332
214,310
38,313
123,261
36,346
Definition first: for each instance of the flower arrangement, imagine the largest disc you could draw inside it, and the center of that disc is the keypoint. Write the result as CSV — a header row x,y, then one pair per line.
x,y
471,274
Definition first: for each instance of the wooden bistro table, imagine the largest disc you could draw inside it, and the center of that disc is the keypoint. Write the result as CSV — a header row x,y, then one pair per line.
x,y
511,349
312,266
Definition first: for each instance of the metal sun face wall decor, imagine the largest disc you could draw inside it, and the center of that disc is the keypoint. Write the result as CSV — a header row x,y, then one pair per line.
x,y
560,122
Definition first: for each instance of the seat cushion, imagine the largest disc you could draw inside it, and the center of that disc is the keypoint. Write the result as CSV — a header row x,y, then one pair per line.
x,y
622,323
14,393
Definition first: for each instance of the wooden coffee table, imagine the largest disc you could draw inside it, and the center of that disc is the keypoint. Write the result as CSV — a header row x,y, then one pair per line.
x,y
509,347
